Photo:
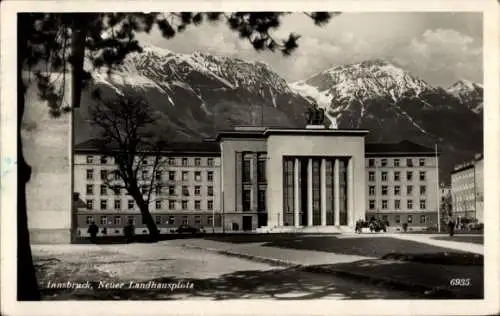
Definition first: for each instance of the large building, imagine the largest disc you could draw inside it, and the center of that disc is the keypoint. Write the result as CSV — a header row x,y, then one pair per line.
x,y
402,184
467,189
267,179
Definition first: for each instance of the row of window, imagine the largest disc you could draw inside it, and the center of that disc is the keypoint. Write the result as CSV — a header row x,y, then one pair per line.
x,y
247,167
396,162
384,175
172,204
423,219
158,189
168,220
172,161
247,198
397,190
106,174
397,204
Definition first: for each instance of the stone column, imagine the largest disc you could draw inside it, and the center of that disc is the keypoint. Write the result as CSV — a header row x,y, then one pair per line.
x,y
296,193
323,191
309,193
350,192
336,191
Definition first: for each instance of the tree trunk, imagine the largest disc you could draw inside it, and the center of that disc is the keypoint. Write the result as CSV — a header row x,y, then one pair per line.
x,y
146,216
27,286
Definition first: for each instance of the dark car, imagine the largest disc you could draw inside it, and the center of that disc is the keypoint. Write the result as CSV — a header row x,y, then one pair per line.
x,y
186,229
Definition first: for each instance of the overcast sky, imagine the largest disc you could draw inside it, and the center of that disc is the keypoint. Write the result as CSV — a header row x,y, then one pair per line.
x,y
440,48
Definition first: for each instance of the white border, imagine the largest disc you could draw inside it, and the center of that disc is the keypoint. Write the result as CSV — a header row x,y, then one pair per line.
x,y
260,307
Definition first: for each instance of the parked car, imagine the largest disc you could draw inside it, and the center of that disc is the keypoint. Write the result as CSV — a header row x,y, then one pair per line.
x,y
186,229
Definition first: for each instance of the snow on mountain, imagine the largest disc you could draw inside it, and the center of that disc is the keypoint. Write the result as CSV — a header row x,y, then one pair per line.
x,y
468,92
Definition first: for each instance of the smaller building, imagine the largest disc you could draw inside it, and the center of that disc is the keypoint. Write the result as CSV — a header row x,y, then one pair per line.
x,y
467,189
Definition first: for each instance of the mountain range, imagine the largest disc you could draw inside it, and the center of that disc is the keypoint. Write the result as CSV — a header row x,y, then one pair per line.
x,y
196,94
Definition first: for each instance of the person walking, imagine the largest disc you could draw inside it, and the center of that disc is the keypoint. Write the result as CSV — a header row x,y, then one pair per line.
x,y
92,230
451,226
129,231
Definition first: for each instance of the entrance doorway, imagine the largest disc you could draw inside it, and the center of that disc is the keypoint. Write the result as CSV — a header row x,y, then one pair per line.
x,y
261,220
247,223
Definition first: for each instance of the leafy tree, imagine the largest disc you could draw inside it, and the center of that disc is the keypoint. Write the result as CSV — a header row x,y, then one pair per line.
x,y
55,42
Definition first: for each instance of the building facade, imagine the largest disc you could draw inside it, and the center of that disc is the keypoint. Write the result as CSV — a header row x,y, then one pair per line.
x,y
467,189
186,189
401,184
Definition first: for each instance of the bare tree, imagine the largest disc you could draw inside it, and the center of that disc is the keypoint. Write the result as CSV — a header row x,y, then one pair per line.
x,y
127,125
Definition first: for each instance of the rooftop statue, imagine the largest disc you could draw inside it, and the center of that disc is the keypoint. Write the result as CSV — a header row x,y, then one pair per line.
x,y
315,115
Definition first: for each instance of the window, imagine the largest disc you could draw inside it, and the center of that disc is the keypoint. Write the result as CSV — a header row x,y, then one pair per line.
x,y
90,174
118,204
423,189
397,190
104,160
210,204
372,204
131,219
89,220
409,190
246,171
159,175
397,176
144,189
384,176
116,174
145,174
398,219
210,191
197,176
371,162
261,170
171,204
422,175
171,220
409,175
384,190
184,162
383,162
90,159
185,176
145,162
197,220
90,204
421,162
246,200
90,189
158,204
185,190
422,219
184,205
384,204
396,162
130,204
171,161
409,162
197,162
104,220
210,162
184,220
409,204
210,220
197,190
104,204
118,220
261,200
171,190
371,176
197,204
385,218
104,189
210,176
158,220
397,204
410,219
158,189
371,190
171,175
423,205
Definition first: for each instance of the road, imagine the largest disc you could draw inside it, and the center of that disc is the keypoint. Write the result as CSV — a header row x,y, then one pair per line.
x,y
213,276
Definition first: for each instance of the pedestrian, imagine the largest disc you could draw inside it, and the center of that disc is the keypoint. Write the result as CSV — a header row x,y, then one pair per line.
x,y
451,226
92,230
129,231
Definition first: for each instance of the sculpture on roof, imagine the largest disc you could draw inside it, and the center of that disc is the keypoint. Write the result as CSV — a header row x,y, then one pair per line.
x,y
315,115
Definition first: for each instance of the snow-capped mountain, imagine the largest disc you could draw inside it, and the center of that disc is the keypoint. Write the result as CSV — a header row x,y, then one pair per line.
x,y
469,93
197,94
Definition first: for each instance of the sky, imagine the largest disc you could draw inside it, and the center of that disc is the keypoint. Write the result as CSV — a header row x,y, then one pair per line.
x,y
438,47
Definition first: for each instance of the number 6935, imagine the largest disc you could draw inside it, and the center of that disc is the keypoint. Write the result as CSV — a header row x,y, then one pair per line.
x,y
460,282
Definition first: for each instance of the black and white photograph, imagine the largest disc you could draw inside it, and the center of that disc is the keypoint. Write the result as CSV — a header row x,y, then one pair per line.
x,y
315,155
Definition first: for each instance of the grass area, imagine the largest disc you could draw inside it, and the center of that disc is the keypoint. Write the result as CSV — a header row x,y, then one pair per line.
x,y
463,238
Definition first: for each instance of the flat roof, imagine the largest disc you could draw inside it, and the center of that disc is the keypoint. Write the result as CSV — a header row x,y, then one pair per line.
x,y
263,132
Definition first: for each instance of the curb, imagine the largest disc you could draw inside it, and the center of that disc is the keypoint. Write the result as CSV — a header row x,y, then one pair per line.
x,y
424,290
